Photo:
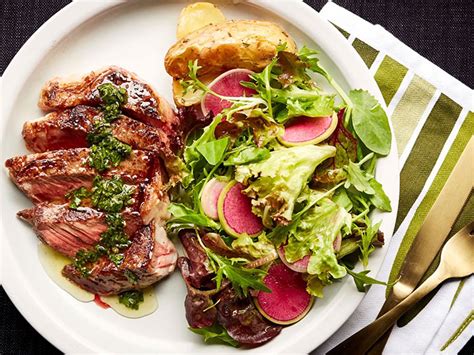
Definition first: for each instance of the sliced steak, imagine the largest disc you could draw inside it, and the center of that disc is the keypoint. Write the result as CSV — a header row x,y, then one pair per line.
x,y
151,257
143,103
68,231
69,128
47,177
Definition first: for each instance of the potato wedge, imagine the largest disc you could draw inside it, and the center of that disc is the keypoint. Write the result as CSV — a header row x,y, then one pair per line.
x,y
196,16
248,44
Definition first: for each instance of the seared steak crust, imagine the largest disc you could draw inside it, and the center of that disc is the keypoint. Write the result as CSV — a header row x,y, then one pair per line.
x,y
68,231
69,128
143,103
151,257
45,177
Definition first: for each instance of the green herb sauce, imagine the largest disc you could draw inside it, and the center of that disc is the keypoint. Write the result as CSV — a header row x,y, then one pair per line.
x,y
106,150
110,196
131,299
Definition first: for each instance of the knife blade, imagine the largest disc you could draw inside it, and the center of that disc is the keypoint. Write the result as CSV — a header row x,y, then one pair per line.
x,y
433,233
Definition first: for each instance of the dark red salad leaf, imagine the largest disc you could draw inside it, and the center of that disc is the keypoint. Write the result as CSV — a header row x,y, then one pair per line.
x,y
242,320
345,143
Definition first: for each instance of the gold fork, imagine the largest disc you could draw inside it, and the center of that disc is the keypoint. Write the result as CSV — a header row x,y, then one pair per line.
x,y
457,260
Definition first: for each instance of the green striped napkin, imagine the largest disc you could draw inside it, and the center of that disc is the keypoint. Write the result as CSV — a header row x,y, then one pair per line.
x,y
433,120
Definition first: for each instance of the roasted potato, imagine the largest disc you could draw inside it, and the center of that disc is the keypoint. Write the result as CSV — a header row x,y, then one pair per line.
x,y
248,44
196,16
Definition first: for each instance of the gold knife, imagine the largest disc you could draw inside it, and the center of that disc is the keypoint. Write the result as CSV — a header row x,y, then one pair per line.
x,y
432,234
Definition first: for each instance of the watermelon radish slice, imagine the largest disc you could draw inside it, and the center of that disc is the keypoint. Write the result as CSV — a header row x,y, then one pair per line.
x,y
288,302
210,196
235,212
308,130
298,266
226,84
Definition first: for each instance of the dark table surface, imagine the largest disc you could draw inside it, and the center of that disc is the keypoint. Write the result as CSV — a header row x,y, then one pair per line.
x,y
441,31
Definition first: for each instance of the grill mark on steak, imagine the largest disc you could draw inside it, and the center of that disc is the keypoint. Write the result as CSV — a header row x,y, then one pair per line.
x,y
143,103
47,177
69,128
68,231
151,257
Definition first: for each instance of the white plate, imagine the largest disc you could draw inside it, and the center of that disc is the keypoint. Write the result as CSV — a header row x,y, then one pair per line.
x,y
136,35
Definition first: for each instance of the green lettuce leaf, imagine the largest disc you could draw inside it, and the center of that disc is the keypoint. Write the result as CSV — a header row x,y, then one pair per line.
x,y
275,183
314,235
245,155
213,151
258,248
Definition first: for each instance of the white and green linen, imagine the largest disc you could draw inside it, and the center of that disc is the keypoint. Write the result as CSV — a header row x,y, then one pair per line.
x,y
433,120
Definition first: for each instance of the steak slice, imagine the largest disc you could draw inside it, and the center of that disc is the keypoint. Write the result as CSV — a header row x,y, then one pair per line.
x,y
47,177
151,256
143,103
68,231
69,128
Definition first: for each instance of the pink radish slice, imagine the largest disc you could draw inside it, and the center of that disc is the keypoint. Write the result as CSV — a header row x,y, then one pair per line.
x,y
226,84
304,130
288,301
210,196
235,212
298,266
337,242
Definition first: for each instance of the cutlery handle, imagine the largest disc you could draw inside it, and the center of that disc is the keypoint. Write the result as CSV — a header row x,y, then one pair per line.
x,y
364,339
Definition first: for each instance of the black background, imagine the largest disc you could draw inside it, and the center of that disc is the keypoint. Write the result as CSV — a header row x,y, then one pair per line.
x,y
441,31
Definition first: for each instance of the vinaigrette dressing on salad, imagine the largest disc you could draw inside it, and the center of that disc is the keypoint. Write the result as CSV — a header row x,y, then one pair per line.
x,y
53,262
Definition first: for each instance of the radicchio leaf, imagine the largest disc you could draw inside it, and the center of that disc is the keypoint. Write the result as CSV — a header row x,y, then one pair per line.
x,y
243,321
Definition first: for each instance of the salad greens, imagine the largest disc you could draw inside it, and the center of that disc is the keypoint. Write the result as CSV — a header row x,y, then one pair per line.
x,y
314,200
275,183
215,334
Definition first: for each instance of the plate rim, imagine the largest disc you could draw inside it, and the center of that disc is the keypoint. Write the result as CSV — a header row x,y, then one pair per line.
x,y
67,20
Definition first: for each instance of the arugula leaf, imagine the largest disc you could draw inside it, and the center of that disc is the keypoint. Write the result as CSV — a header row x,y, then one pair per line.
x,y
215,334
213,151
370,122
234,270
310,57
379,199
246,155
361,279
358,178
185,217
